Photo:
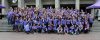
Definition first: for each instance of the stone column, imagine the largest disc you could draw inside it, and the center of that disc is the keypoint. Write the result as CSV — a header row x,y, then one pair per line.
x,y
38,3
21,4
77,4
99,14
5,10
93,13
57,4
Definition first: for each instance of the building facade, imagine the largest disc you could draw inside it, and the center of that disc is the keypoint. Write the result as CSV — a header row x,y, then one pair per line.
x,y
77,4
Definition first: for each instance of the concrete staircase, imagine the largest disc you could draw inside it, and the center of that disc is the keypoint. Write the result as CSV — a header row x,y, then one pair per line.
x,y
96,26
4,27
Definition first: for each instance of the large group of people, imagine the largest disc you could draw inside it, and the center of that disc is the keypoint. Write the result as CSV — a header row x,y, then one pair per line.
x,y
50,20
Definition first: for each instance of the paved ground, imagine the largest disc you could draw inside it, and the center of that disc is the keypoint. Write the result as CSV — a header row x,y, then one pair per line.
x,y
36,36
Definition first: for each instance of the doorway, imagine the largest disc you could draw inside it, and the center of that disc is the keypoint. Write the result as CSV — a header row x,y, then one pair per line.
x,y
67,5
30,6
46,6
83,7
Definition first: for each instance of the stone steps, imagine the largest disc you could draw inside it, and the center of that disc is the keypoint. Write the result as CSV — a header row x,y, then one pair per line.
x,y
95,31
96,26
4,27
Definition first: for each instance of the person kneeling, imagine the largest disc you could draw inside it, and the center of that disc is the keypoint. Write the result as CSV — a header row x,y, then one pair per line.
x,y
86,28
27,28
59,29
